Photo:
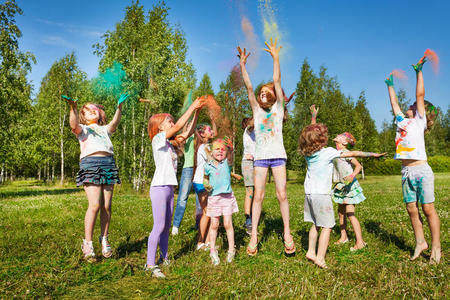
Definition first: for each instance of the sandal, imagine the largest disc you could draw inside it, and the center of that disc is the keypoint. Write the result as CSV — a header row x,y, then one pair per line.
x,y
289,248
339,242
88,251
321,264
353,249
106,248
252,250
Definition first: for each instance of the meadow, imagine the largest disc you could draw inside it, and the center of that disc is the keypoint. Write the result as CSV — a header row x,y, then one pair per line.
x,y
41,227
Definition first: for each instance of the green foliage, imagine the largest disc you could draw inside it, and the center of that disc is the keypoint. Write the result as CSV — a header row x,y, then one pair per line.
x,y
439,164
42,227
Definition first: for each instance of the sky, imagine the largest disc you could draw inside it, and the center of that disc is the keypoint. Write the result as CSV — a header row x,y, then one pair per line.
x,y
359,42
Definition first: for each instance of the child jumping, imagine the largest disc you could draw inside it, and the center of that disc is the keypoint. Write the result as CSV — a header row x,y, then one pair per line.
x,y
248,139
98,172
347,192
318,207
161,128
221,200
268,114
417,176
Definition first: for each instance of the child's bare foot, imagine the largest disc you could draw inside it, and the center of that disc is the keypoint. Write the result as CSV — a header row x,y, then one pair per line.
x,y
435,257
321,263
419,248
311,256
358,246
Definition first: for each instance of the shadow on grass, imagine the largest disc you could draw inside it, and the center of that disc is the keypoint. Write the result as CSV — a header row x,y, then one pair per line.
x,y
304,234
127,247
26,193
374,228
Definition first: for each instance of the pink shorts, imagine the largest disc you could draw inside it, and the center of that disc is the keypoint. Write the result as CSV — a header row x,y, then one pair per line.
x,y
221,205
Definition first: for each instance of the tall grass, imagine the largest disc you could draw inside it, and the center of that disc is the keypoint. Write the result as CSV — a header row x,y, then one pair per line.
x,y
41,228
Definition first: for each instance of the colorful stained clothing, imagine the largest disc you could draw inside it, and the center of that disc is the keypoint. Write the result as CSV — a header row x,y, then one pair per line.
x,y
166,161
94,138
320,171
409,138
249,141
345,193
418,184
318,209
269,132
247,172
202,158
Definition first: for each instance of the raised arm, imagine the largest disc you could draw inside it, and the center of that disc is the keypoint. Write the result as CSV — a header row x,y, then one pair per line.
x,y
420,89
314,112
275,53
197,104
73,115
112,126
392,96
191,126
243,55
362,154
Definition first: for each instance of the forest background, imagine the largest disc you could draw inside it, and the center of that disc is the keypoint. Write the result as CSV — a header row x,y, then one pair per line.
x,y
148,55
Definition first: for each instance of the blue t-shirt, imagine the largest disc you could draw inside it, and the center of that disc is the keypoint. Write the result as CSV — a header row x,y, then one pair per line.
x,y
219,177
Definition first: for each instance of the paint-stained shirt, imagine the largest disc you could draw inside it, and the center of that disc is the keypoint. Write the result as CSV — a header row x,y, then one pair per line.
x,y
94,138
320,171
219,177
410,137
202,159
342,168
166,161
269,132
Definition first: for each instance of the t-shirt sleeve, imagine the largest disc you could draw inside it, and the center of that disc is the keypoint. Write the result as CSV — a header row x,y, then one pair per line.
x,y
332,153
159,140
207,169
83,133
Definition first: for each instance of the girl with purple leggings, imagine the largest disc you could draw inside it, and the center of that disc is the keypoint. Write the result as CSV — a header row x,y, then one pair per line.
x,y
161,128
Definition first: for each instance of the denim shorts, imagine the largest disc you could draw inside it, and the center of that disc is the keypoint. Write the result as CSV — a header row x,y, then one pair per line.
x,y
270,163
199,188
98,170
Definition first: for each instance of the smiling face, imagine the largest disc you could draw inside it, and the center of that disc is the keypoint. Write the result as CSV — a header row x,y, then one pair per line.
x,y
219,151
91,114
266,94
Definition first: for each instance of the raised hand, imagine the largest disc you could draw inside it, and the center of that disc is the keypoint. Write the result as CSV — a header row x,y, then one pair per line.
x,y
122,98
314,111
243,55
272,48
199,102
418,67
390,80
69,100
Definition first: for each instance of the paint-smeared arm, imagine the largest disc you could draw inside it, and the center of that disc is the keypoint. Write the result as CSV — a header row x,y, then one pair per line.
x,y
73,115
392,96
243,55
362,154
420,89
356,171
275,53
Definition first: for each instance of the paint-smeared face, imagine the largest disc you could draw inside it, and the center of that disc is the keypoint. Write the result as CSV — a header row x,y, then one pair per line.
x,y
219,151
166,124
91,114
339,146
208,133
265,93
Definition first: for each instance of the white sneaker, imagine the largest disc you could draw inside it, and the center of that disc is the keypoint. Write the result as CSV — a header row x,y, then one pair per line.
x,y
106,248
156,271
163,261
214,258
230,256
174,230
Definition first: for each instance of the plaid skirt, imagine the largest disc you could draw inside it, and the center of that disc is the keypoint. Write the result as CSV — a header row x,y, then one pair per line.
x,y
98,170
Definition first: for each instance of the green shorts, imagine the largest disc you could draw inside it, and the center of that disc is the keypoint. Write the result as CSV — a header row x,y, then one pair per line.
x,y
418,184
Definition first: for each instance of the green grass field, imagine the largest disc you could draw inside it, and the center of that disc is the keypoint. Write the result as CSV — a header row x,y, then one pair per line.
x,y
41,228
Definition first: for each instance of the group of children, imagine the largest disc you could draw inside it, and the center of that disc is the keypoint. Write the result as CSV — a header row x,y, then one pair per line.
x,y
207,169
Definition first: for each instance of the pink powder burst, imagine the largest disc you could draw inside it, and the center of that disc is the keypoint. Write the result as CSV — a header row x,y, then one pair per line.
x,y
433,58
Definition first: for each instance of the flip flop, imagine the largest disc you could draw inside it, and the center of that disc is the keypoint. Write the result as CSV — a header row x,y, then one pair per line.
x,y
289,248
339,242
353,249
252,250
322,264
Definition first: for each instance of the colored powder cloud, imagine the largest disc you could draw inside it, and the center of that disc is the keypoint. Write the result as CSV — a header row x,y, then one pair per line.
x,y
271,28
251,42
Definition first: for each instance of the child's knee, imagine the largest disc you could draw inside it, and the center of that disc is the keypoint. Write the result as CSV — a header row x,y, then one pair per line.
x,y
214,223
412,208
228,224
429,210
94,208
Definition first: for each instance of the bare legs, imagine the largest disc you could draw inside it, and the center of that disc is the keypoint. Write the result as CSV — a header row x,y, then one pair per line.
x,y
203,227
318,257
417,224
228,224
260,175
99,198
348,210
